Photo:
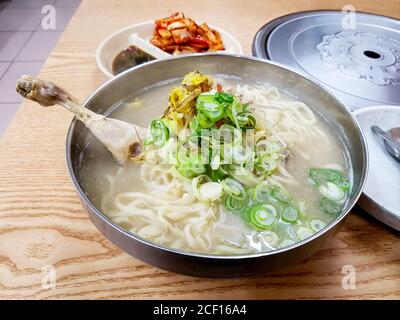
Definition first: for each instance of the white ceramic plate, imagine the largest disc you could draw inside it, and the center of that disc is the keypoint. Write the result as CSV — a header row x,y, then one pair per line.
x,y
381,194
113,44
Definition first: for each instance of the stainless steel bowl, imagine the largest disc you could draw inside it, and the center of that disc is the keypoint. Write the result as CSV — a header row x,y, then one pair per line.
x,y
249,69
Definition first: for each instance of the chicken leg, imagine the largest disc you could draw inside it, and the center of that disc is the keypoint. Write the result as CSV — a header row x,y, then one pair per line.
x,y
122,139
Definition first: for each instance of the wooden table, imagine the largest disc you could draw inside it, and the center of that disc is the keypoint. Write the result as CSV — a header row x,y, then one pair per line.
x,y
43,226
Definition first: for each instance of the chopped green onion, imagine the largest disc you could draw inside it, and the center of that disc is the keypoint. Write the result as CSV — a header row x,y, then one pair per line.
x,y
192,166
251,194
223,97
246,120
266,164
306,209
207,105
210,190
304,232
322,175
236,154
182,153
290,231
218,174
234,204
286,243
269,147
262,216
195,126
204,189
204,121
159,133
344,183
330,206
233,112
269,238
262,192
197,182
280,194
244,174
215,162
332,191
233,188
316,224
172,125
228,134
290,214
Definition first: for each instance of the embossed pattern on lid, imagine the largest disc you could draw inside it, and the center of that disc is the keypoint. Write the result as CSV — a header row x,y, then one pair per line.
x,y
359,63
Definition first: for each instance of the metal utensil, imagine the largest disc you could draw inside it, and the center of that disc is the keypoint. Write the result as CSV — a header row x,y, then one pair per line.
x,y
392,146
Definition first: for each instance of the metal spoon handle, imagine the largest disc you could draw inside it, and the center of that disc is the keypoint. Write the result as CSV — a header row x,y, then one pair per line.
x,y
393,143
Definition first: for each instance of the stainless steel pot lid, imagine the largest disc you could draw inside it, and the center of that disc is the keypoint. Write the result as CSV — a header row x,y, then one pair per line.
x,y
381,194
359,63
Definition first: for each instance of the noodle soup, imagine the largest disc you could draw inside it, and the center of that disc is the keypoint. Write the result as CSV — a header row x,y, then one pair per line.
x,y
297,184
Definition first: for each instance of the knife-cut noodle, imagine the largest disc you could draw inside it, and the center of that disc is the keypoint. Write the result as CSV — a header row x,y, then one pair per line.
x,y
158,203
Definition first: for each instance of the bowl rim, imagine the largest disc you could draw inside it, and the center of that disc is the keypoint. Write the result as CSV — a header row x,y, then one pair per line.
x,y
103,43
190,254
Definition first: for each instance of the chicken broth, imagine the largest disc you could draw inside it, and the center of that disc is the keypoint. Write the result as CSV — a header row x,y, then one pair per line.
x,y
299,183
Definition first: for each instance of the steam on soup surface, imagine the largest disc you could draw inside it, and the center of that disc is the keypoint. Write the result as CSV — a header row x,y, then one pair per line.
x,y
229,168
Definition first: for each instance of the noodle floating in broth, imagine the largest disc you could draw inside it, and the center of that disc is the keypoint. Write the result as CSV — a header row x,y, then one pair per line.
x,y
227,169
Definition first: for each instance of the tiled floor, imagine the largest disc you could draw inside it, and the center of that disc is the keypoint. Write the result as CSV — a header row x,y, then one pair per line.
x,y
25,45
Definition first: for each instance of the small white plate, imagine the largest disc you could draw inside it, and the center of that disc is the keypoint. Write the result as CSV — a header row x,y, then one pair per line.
x,y
381,194
116,42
